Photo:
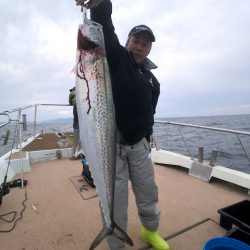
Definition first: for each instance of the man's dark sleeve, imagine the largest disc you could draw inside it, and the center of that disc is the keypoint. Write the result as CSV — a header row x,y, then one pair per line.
x,y
155,93
102,15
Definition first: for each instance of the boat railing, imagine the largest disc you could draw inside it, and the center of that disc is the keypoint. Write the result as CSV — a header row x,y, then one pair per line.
x,y
19,112
5,123
17,124
17,115
237,133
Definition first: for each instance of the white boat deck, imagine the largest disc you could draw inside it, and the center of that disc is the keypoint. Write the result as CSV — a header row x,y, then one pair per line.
x,y
58,214
57,217
219,172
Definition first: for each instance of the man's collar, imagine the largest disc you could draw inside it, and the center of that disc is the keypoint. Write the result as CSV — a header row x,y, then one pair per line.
x,y
148,64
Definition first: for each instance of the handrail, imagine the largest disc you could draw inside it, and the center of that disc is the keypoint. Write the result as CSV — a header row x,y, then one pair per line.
x,y
18,111
19,127
8,112
31,106
236,132
9,120
16,144
204,127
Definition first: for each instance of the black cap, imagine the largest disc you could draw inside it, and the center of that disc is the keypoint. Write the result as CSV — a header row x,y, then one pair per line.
x,y
142,28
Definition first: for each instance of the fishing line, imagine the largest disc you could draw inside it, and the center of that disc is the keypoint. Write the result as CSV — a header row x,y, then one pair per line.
x,y
14,215
5,188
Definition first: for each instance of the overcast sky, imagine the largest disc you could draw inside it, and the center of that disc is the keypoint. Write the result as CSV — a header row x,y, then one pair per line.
x,y
202,50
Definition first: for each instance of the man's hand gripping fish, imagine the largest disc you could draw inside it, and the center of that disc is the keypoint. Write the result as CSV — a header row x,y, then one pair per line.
x,y
97,121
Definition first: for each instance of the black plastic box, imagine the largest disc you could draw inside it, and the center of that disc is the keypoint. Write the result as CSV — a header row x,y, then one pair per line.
x,y
237,214
238,234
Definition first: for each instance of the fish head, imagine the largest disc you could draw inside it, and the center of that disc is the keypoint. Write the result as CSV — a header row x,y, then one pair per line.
x,y
84,42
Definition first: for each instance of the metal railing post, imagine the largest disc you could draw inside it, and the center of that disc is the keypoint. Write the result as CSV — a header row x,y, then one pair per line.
x,y
213,158
235,132
35,119
153,143
243,147
6,137
179,128
20,144
200,154
24,123
21,152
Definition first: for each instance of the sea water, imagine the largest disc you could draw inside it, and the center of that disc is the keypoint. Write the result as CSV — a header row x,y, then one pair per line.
x,y
229,150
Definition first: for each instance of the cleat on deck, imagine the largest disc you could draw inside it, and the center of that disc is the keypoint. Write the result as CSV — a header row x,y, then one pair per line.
x,y
154,239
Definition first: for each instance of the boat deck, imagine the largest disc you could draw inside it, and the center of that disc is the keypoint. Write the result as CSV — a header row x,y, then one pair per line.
x,y
57,217
49,141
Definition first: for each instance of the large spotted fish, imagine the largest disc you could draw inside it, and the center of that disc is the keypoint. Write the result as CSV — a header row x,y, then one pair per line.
x,y
97,121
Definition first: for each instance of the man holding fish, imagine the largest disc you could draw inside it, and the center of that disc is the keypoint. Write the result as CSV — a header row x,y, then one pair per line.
x,y
135,95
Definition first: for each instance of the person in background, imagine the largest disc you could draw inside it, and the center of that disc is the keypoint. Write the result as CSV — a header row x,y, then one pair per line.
x,y
135,94
86,174
72,102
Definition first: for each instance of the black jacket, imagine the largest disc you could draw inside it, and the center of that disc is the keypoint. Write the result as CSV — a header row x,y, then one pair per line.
x,y
135,89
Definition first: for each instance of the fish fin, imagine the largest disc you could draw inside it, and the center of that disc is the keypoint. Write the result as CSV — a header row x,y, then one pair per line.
x,y
100,237
122,235
74,69
114,230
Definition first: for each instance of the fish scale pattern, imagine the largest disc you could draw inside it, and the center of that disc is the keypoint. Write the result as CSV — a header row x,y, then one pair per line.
x,y
105,129
96,115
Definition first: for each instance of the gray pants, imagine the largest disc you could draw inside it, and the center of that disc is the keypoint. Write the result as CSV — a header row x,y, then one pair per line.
x,y
134,163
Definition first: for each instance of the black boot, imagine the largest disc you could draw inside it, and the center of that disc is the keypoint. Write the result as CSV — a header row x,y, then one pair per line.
x,y
86,174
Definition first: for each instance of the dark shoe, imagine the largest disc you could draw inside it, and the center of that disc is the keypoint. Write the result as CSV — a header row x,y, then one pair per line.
x,y
87,177
91,183
81,156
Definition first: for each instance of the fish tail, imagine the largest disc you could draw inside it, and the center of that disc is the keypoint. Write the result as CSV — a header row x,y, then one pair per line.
x,y
100,237
122,235
114,230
